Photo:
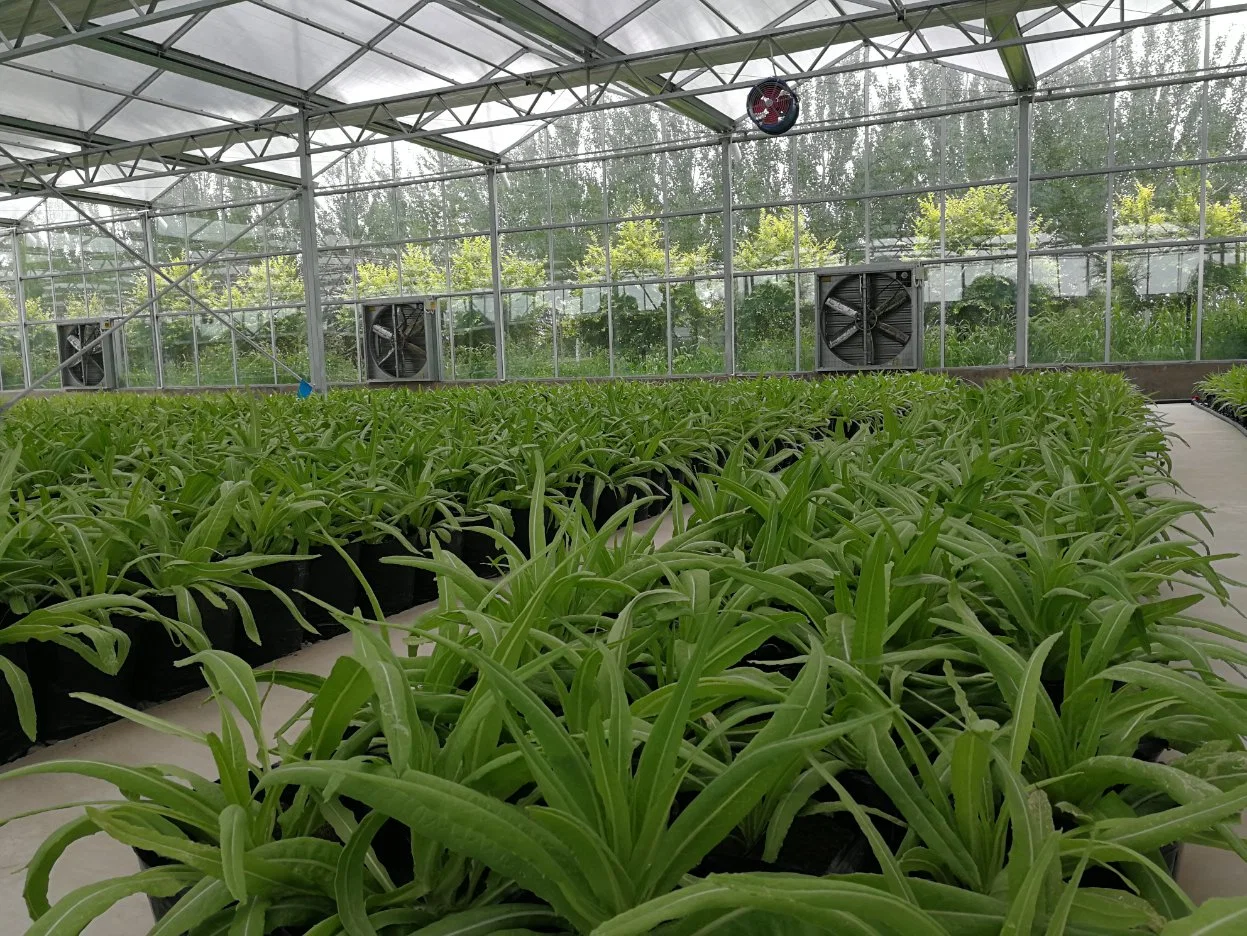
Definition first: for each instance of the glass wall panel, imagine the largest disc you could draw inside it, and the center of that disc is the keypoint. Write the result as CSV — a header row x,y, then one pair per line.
x,y
765,309
528,322
1154,304
807,294
639,316
254,347
905,155
694,178
697,327
215,348
342,364
582,332
471,323
1067,305
177,350
1156,205
893,226
290,334
1070,212
828,163
635,185
1070,134
980,145
762,170
11,376
1224,332
137,367
979,302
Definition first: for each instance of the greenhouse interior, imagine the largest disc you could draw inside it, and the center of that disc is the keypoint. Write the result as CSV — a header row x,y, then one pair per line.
x,y
634,468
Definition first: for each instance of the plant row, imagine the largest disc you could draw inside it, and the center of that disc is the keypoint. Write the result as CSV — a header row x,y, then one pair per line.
x,y
941,676
1225,393
136,530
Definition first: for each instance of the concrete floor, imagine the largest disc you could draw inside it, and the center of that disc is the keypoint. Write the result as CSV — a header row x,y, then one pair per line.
x,y
1211,466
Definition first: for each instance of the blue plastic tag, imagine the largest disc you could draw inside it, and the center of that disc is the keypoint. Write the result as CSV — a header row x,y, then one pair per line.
x,y
305,389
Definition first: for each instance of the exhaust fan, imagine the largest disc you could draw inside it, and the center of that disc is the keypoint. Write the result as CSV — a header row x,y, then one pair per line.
x,y
401,339
869,318
94,369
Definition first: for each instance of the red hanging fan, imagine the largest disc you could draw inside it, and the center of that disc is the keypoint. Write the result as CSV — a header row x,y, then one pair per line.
x,y
773,106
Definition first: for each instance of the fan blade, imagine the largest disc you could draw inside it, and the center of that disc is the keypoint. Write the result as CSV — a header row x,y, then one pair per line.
x,y
894,333
840,307
379,329
834,341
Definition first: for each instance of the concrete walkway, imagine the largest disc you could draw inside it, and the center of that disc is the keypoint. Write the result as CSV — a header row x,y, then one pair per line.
x,y
1212,467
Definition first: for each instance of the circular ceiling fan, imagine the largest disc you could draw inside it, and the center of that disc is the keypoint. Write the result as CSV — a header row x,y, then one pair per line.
x,y
773,106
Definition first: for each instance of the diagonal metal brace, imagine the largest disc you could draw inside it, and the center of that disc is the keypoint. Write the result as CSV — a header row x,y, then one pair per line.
x,y
173,285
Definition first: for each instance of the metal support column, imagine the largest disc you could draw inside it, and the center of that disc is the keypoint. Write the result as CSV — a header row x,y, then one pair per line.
x,y
1109,198
495,261
19,288
729,281
1023,230
1203,197
149,251
311,277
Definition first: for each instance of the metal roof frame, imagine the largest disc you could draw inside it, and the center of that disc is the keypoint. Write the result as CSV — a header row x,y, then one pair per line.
x,y
594,69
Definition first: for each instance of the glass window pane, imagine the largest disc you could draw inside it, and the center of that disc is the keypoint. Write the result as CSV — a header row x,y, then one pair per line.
x,y
138,368
1070,134
523,199
11,377
1157,205
216,352
177,350
842,224
694,178
576,192
765,312
980,145
635,184
762,170
473,351
979,304
697,327
1067,309
696,244
525,259
582,333
1154,304
639,315
808,295
579,255
341,344
529,322
255,362
893,226
467,205
290,330
1070,212
829,162
1224,331
904,155
43,351
637,250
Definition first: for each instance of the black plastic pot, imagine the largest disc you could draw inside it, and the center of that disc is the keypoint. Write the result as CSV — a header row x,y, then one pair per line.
x,y
773,650
609,502
819,844
479,551
154,675
331,580
394,585
521,517
13,741
55,672
280,632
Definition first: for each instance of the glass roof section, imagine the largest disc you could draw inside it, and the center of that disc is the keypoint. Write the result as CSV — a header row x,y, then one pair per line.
x,y
210,81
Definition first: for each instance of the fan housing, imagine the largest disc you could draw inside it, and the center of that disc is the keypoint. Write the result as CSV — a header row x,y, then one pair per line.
x,y
869,318
95,369
401,339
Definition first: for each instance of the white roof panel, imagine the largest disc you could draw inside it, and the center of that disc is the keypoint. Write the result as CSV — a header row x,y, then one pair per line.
x,y
51,101
266,43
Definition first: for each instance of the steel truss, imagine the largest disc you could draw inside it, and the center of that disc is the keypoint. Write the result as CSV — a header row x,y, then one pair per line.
x,y
670,77
245,147
172,285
